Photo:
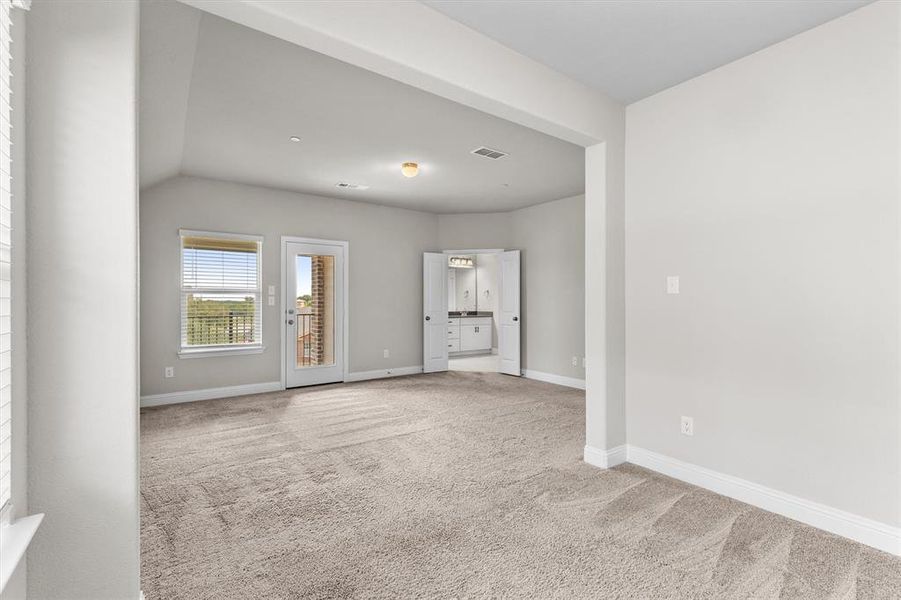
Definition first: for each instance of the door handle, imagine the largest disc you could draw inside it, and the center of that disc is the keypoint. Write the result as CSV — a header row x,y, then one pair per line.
x,y
290,321
516,318
290,311
428,318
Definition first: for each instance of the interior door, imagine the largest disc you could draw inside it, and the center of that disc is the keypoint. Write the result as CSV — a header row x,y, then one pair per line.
x,y
508,315
434,312
314,313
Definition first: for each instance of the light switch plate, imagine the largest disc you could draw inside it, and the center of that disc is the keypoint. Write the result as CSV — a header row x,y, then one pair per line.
x,y
271,300
271,290
672,284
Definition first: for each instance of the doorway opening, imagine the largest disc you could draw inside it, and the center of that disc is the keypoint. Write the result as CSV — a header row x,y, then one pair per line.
x,y
472,311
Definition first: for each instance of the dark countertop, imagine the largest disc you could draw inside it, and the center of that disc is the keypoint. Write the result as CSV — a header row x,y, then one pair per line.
x,y
456,315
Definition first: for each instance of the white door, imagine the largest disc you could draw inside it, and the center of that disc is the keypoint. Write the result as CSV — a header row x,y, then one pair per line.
x,y
434,312
508,314
314,312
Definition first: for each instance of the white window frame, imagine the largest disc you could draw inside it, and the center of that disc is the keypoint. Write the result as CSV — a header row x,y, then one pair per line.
x,y
6,101
224,349
15,534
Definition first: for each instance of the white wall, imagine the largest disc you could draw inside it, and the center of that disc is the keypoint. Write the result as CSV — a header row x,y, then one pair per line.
x,y
474,231
385,276
82,299
771,187
552,239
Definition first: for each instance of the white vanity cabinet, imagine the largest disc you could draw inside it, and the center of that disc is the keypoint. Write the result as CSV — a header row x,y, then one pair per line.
x,y
453,335
469,334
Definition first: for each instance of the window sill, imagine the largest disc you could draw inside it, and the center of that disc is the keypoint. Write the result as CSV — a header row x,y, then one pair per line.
x,y
14,540
210,352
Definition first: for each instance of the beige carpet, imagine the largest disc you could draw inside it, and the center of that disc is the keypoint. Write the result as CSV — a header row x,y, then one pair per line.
x,y
454,485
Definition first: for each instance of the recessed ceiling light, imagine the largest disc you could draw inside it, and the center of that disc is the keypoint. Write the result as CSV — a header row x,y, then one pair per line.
x,y
294,139
409,169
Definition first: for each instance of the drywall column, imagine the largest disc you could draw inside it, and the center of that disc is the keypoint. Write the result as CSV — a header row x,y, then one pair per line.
x,y
82,294
605,419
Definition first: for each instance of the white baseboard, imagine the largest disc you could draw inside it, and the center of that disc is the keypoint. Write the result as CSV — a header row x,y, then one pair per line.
x,y
211,393
860,529
494,350
605,459
551,378
382,373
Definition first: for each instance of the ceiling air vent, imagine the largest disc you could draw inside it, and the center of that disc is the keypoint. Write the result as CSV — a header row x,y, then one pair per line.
x,y
489,153
351,186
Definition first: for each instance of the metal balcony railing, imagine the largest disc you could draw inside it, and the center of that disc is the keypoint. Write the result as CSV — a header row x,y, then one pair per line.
x,y
221,329
304,340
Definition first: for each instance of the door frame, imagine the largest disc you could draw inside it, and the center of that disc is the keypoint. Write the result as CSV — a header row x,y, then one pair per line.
x,y
283,306
496,283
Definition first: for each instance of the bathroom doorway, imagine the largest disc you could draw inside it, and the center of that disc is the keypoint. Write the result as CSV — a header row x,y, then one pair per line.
x,y
476,294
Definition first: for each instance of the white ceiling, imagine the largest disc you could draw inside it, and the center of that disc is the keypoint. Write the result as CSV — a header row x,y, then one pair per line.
x,y
630,49
220,100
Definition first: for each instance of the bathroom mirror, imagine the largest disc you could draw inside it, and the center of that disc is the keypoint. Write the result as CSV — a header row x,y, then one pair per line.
x,y
471,282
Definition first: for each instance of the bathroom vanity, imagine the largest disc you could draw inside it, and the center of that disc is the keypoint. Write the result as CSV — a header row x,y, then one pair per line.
x,y
469,332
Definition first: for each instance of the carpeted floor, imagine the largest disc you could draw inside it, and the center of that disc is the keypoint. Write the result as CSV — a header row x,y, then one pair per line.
x,y
453,485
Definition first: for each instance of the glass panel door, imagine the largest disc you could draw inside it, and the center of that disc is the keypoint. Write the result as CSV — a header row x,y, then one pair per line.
x,y
314,313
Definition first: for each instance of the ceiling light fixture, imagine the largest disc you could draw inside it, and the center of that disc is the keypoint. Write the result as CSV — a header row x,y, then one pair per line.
x,y
294,139
409,169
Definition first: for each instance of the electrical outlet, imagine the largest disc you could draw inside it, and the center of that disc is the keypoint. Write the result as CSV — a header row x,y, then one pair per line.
x,y
688,426
271,300
575,361
386,353
169,373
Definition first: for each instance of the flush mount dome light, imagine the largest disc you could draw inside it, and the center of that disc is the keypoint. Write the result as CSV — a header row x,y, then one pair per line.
x,y
294,139
409,169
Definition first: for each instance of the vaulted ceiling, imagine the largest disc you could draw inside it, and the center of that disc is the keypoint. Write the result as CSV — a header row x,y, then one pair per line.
x,y
220,100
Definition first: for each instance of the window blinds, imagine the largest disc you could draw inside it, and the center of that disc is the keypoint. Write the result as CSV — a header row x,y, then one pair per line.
x,y
220,291
5,224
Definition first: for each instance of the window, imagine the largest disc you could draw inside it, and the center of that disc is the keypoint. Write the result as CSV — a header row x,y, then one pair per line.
x,y
221,293
5,249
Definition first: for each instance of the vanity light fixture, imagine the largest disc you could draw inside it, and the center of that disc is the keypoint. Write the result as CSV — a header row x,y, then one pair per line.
x,y
409,169
461,262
